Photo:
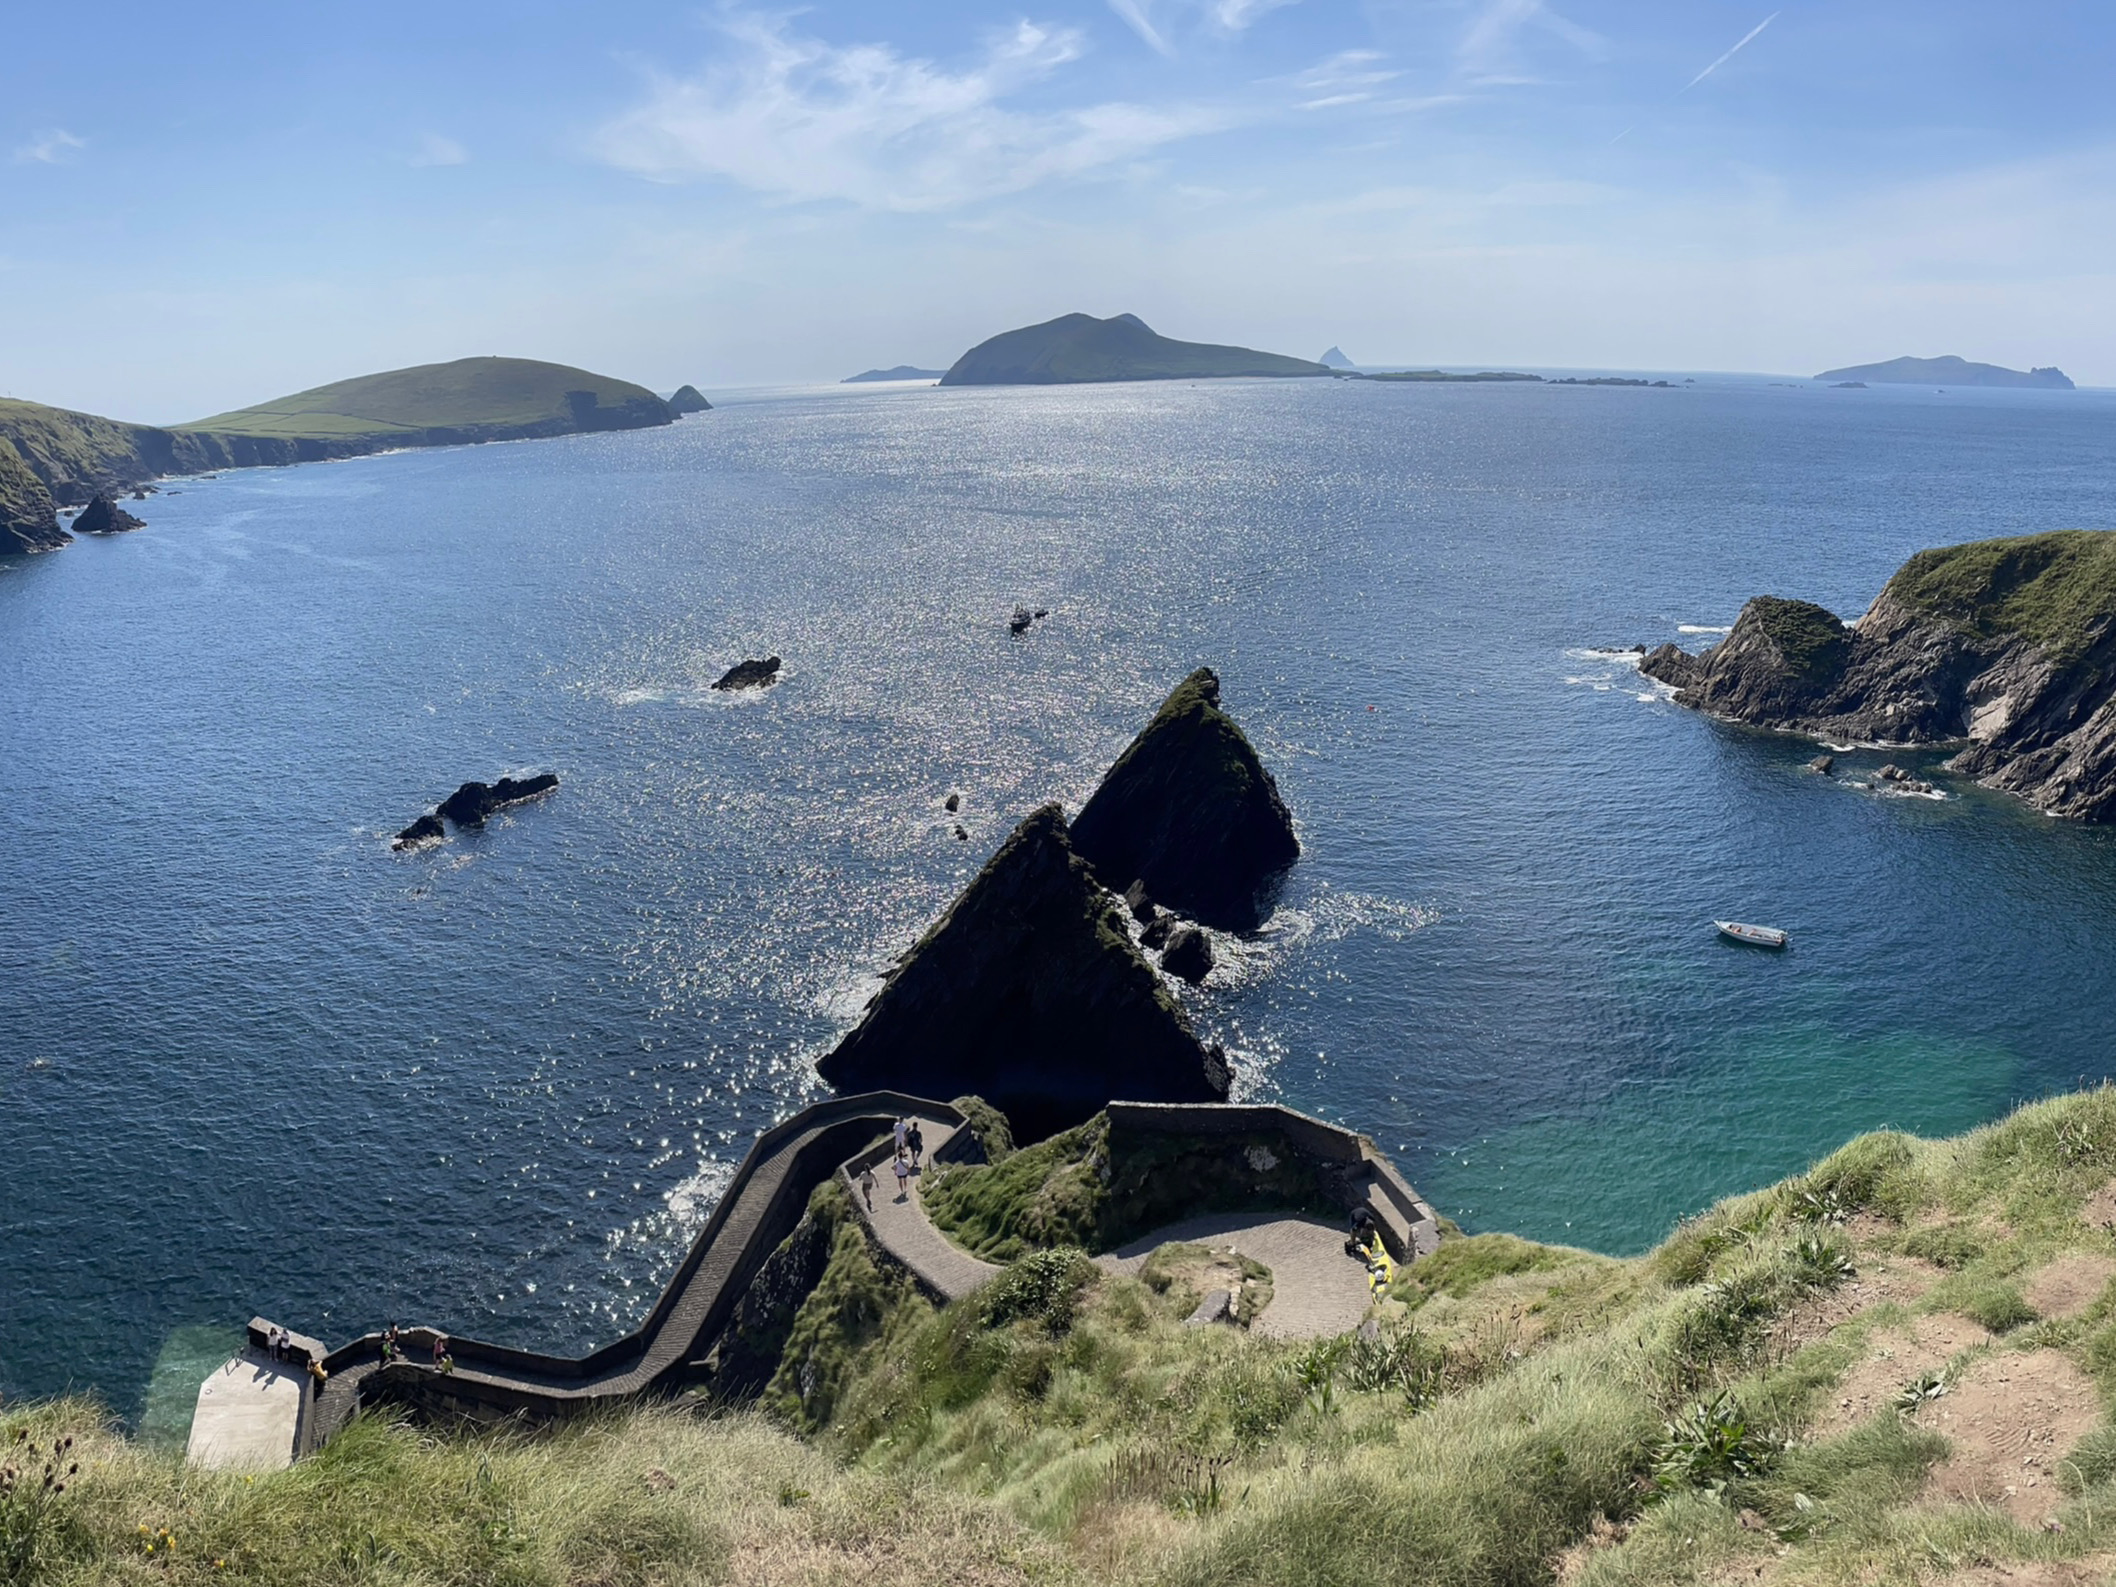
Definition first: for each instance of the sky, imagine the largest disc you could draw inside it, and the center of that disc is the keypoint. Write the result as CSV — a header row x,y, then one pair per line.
x,y
201,207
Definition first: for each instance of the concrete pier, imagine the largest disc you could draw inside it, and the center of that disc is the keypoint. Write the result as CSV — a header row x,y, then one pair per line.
x,y
249,1415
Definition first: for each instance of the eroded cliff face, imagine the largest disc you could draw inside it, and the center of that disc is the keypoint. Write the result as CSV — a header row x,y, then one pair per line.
x,y
28,521
1029,992
2009,645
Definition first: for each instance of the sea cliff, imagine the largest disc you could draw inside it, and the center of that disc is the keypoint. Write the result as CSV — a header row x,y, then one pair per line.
x,y
2003,645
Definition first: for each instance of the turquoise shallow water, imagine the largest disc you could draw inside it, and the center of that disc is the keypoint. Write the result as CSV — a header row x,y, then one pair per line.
x,y
251,1061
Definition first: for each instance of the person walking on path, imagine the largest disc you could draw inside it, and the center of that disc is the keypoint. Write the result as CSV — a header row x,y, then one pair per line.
x,y
867,1186
917,1143
903,1135
903,1179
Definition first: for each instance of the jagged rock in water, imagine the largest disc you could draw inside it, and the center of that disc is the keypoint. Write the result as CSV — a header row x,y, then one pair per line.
x,y
29,521
1143,908
2008,644
1029,993
1190,811
1189,954
104,517
1157,931
1019,622
1825,764
689,399
750,674
427,829
470,804
961,836
1892,773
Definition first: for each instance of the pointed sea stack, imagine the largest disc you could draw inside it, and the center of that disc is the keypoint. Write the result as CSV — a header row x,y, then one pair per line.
x,y
689,399
102,516
1029,993
1190,811
28,521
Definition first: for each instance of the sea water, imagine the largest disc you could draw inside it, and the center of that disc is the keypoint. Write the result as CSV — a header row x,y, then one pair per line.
x,y
252,1061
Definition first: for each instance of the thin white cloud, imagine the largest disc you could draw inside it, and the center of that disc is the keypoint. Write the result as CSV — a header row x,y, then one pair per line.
x,y
437,150
1740,44
1235,15
49,146
802,119
1349,77
1140,22
1492,48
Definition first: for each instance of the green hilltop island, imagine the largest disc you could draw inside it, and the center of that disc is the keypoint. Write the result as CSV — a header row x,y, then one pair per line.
x,y
1948,371
1174,1339
1080,348
2004,647
78,456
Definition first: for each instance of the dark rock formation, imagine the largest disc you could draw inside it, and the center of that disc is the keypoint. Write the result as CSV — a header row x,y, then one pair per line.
x,y
427,829
1825,764
1155,935
689,399
28,520
1029,993
1190,811
2008,644
952,803
1189,954
470,804
750,674
1143,909
103,517
1019,622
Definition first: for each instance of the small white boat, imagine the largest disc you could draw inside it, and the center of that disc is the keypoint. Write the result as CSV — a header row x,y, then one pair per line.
x,y
1754,936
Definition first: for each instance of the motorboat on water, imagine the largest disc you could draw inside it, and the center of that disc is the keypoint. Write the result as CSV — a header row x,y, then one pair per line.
x,y
1754,936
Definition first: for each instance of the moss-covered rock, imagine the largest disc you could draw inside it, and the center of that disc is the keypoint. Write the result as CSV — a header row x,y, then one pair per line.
x,y
1029,992
1189,810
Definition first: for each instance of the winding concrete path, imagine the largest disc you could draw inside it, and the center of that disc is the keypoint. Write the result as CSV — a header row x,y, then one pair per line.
x,y
1317,1291
899,1223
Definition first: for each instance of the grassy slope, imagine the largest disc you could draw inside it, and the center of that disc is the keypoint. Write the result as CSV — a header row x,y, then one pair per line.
x,y
2057,590
1512,1414
1078,347
470,393
1812,638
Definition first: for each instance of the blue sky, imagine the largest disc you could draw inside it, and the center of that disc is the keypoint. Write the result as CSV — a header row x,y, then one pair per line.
x,y
203,206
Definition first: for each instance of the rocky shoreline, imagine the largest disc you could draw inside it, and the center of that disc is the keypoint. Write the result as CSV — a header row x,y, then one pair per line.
x,y
2007,647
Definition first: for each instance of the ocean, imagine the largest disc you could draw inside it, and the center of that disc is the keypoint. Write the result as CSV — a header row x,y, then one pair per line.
x,y
251,1061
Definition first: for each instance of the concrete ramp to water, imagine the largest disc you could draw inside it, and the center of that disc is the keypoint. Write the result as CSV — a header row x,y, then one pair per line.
x,y
248,1416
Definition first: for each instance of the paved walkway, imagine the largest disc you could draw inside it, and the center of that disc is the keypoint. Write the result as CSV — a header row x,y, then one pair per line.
x,y
944,1269
1317,1291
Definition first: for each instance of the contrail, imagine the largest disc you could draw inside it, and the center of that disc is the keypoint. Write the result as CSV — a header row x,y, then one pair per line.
x,y
1746,40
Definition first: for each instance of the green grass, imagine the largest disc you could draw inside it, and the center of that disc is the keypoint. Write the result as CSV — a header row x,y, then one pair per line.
x,y
2057,590
468,394
1099,1189
1653,1421
1811,638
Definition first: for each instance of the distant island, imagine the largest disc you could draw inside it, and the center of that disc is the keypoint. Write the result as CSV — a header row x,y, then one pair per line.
x,y
1442,377
687,400
1948,371
1079,347
1335,359
77,455
900,372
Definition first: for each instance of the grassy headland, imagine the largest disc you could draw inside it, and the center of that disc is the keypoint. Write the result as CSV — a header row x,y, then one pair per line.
x,y
1895,1368
471,399
2057,590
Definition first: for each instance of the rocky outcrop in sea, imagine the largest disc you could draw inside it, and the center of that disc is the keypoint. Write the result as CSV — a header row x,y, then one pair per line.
x,y
2009,645
102,516
470,805
28,519
750,675
1190,811
1029,992
689,400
